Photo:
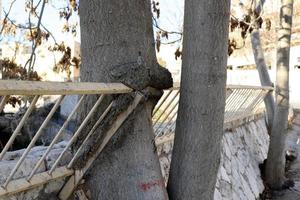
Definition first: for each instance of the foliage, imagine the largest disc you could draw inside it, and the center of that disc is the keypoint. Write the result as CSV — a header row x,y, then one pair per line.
x,y
155,8
66,61
10,70
8,28
245,26
178,53
37,34
65,13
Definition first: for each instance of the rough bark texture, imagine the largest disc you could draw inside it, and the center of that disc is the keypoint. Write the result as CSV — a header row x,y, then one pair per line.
x,y
199,128
118,46
276,155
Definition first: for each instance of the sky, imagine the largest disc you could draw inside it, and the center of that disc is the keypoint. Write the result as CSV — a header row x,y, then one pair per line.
x,y
171,19
50,18
171,16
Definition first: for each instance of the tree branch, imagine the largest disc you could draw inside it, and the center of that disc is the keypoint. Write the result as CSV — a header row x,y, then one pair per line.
x,y
35,43
158,27
6,16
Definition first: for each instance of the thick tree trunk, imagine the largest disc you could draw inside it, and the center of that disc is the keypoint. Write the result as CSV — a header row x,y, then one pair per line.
x,y
199,127
276,155
118,45
264,76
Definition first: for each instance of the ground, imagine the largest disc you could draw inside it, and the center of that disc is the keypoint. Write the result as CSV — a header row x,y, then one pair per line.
x,y
293,171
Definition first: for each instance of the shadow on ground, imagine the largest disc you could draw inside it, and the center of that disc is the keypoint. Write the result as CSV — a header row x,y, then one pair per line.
x,y
293,171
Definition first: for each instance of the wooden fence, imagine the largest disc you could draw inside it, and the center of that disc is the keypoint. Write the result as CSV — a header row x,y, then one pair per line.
x,y
241,101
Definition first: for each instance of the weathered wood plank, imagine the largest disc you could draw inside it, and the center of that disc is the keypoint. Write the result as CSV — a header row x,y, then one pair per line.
x,y
74,180
176,86
3,102
81,195
229,124
13,87
20,185
249,87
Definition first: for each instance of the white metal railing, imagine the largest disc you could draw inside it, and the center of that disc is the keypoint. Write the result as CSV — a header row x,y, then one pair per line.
x,y
241,101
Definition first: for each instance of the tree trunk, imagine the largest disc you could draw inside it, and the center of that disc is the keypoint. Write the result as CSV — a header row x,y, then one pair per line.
x,y
261,66
264,76
276,156
199,127
118,46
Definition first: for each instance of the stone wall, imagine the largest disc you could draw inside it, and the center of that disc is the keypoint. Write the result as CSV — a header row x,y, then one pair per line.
x,y
68,104
44,191
244,146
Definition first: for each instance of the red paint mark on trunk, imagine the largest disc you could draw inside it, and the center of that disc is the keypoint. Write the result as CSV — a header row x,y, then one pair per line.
x,y
145,186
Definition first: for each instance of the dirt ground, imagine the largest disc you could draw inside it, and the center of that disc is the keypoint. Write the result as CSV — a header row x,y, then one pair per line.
x,y
293,172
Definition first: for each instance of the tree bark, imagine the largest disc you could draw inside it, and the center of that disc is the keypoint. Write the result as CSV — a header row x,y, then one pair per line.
x,y
118,46
264,76
275,166
199,127
261,66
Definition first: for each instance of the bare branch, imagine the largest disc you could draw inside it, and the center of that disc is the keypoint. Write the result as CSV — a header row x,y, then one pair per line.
x,y
158,27
21,26
31,60
50,33
172,42
6,16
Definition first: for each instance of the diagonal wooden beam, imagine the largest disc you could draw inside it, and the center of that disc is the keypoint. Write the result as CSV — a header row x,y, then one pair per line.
x,y
75,179
20,185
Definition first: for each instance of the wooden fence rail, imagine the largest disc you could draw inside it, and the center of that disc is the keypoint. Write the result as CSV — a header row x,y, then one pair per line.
x,y
241,101
8,88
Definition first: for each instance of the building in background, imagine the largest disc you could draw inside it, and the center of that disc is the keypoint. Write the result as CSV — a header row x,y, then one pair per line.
x,y
45,59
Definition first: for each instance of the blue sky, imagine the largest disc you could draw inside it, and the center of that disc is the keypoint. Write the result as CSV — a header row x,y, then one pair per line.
x,y
50,18
170,18
171,15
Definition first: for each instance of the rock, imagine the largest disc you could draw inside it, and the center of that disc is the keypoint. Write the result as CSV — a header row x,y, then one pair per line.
x,y
11,158
239,175
291,155
243,148
9,122
217,195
